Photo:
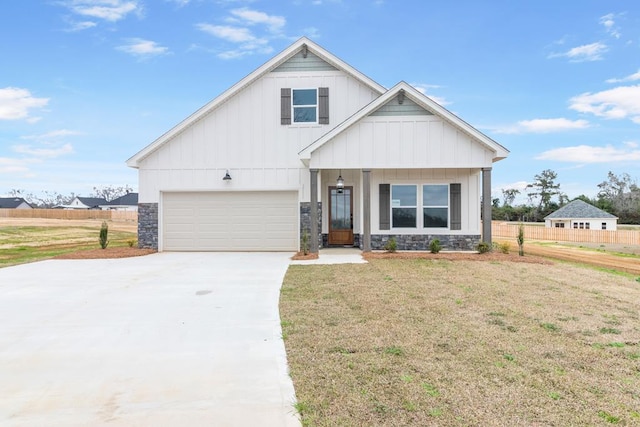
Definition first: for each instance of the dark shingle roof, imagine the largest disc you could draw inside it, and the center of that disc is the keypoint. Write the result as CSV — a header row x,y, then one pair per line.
x,y
129,199
11,202
92,202
579,209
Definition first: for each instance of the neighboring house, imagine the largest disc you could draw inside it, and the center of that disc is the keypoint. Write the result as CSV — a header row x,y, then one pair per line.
x,y
14,203
308,130
128,202
581,215
85,203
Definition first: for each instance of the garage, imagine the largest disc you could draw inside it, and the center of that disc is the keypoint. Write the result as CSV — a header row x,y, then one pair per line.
x,y
230,221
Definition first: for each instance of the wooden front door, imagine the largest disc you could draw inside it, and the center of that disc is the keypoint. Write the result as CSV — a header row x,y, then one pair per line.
x,y
341,216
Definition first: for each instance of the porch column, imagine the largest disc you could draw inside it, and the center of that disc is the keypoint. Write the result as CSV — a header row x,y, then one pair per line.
x,y
366,210
486,205
313,188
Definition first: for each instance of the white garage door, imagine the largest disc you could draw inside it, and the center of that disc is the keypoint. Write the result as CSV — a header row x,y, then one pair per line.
x,y
230,221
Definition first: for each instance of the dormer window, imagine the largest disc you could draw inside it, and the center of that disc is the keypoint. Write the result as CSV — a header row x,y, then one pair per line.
x,y
304,106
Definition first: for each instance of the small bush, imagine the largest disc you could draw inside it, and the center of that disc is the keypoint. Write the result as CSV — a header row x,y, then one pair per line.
x,y
305,242
104,232
131,242
483,247
391,245
520,240
435,246
503,247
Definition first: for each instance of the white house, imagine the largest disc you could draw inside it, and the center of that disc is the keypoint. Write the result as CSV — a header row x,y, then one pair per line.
x,y
308,130
128,202
579,214
85,203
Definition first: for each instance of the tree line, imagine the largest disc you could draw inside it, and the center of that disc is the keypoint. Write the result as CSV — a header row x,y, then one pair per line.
x,y
618,194
51,199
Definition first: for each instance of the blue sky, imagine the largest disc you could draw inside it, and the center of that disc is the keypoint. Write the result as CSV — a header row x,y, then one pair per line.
x,y
85,84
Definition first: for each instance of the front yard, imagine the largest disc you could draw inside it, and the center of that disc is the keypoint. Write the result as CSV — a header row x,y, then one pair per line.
x,y
437,342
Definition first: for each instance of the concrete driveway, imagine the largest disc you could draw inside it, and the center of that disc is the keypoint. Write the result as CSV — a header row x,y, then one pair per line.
x,y
170,339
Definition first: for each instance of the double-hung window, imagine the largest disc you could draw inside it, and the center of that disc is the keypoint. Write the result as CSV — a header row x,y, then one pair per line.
x,y
305,105
435,206
404,206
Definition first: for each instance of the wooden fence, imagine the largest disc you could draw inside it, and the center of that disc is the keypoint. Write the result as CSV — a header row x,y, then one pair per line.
x,y
70,214
509,230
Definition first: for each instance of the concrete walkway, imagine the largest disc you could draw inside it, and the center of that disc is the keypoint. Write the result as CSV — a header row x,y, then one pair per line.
x,y
170,339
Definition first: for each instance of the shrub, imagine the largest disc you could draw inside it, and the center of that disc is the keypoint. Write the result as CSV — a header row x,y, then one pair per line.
x,y
435,246
483,247
131,242
104,231
520,240
503,247
305,242
391,245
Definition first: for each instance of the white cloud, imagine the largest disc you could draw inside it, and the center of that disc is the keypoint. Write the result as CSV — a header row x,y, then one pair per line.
x,y
43,153
16,104
228,33
587,52
143,48
239,33
108,10
180,3
13,166
617,103
53,135
273,23
543,126
423,88
80,26
630,78
610,25
590,154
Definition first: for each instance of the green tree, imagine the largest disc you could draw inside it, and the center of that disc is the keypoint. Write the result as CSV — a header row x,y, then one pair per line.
x,y
543,189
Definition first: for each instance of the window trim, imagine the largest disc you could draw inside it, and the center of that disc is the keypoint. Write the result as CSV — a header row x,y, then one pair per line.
x,y
316,106
448,206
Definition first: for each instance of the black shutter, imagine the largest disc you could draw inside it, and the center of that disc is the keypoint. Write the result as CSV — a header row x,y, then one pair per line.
x,y
323,107
455,206
285,106
384,201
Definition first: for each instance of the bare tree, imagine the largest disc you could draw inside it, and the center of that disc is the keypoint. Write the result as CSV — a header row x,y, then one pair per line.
x,y
111,192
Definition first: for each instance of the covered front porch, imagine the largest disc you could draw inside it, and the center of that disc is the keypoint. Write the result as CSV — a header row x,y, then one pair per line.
x,y
356,208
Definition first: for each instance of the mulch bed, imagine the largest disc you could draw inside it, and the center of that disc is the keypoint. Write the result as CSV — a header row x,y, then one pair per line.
x,y
458,256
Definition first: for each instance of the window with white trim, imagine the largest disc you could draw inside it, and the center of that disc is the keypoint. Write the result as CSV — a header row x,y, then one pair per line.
x,y
404,206
604,225
304,104
435,206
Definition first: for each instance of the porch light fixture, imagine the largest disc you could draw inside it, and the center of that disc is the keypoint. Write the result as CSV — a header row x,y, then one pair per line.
x,y
340,182
226,177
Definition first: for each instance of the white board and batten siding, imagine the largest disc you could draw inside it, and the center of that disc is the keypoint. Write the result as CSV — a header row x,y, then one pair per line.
x,y
230,221
419,142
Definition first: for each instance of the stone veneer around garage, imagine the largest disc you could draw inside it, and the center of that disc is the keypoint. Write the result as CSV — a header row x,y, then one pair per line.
x,y
305,221
148,225
413,242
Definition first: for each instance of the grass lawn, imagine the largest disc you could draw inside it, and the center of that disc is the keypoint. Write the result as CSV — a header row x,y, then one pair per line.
x,y
22,244
448,343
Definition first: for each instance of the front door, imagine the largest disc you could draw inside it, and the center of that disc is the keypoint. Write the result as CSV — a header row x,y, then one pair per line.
x,y
341,216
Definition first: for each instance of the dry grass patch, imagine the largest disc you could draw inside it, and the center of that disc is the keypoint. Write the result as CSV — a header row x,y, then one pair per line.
x,y
439,342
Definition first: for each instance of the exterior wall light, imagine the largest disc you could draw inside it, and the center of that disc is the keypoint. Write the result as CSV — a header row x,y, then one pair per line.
x,y
226,177
340,182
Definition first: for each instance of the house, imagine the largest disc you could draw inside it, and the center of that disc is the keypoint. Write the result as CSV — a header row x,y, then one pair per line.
x,y
85,203
308,149
581,215
128,202
14,203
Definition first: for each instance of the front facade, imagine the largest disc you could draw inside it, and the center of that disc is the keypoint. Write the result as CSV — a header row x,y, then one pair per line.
x,y
580,215
307,130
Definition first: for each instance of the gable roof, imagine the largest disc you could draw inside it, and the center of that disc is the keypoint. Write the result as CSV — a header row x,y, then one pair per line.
x,y
275,62
12,202
129,199
92,202
579,209
421,100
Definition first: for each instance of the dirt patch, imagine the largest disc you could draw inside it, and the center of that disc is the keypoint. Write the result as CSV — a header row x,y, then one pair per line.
x,y
300,256
115,252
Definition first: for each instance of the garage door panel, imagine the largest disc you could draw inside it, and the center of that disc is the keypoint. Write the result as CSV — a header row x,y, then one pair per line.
x,y
230,221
